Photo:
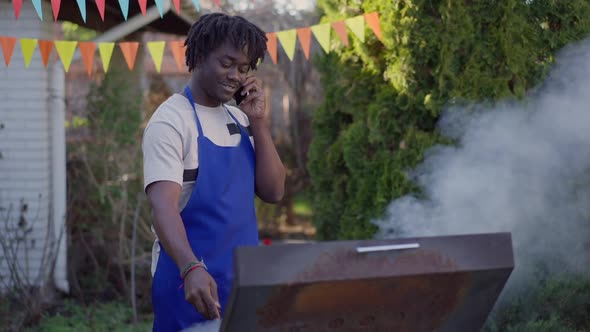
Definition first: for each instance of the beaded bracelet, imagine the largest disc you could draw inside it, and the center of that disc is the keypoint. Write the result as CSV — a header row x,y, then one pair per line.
x,y
191,266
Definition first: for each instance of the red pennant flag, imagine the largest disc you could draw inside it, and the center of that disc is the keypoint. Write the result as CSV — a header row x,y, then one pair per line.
x,y
372,20
7,44
340,28
143,6
129,50
178,50
87,50
45,47
271,46
100,6
17,4
304,35
177,5
217,3
55,6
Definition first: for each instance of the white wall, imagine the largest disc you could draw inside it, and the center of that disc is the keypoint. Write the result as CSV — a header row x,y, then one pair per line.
x,y
26,139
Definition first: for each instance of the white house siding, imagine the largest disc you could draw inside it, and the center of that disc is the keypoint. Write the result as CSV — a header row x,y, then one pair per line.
x,y
25,140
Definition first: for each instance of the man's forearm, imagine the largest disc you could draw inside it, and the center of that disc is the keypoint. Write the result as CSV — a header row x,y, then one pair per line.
x,y
172,235
270,172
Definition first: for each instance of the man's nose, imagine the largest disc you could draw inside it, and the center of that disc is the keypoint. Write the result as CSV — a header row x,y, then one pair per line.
x,y
234,74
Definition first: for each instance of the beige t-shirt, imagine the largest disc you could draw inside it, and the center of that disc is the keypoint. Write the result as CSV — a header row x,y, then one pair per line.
x,y
170,149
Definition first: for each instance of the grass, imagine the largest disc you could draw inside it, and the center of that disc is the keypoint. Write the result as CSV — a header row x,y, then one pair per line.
x,y
109,316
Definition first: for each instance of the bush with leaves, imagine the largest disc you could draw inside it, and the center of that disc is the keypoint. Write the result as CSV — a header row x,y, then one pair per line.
x,y
383,99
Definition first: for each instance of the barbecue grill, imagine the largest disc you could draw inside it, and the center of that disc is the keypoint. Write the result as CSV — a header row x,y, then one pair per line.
x,y
443,283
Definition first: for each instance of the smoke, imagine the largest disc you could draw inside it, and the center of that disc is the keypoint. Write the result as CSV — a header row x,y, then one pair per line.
x,y
519,166
208,326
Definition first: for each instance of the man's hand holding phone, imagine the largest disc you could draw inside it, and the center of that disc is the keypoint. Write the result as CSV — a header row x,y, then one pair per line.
x,y
250,99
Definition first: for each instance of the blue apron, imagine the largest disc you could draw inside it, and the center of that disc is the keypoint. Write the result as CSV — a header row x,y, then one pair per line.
x,y
218,217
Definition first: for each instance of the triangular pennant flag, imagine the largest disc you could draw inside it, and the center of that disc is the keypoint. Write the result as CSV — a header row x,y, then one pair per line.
x,y
124,4
82,7
27,46
17,4
197,5
178,50
38,8
7,44
217,3
357,26
87,50
143,6
45,47
160,6
55,7
340,28
65,50
100,5
271,46
106,52
129,50
288,39
156,49
322,34
373,21
177,5
304,35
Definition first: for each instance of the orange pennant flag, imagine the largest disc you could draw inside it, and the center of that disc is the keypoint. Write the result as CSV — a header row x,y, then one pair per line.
x,y
17,4
340,28
304,35
55,6
271,46
129,50
7,44
87,50
178,50
45,47
372,20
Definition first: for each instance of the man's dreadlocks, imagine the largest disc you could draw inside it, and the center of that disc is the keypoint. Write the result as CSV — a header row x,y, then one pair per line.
x,y
212,30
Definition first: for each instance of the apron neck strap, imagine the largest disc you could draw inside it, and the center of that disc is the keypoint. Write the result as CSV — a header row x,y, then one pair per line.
x,y
189,96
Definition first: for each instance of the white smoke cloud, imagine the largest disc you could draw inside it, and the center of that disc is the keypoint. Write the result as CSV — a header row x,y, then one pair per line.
x,y
208,326
520,166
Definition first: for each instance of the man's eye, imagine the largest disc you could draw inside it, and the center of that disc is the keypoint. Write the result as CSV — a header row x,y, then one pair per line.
x,y
225,65
244,70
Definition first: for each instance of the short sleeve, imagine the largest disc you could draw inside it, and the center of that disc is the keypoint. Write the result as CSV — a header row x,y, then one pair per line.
x,y
162,154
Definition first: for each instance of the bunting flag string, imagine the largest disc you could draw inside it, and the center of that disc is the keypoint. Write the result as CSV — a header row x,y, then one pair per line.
x,y
38,8
129,50
17,4
304,35
106,53
322,35
156,49
45,48
287,38
87,50
27,46
7,44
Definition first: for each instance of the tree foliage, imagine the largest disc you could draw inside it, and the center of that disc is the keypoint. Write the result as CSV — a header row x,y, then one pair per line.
x,y
383,99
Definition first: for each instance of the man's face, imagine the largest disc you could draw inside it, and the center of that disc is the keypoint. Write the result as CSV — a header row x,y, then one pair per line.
x,y
222,73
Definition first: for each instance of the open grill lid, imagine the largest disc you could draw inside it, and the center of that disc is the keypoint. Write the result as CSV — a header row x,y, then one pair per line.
x,y
445,283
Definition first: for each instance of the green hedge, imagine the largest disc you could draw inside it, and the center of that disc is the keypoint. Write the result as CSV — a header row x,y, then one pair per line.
x,y
382,100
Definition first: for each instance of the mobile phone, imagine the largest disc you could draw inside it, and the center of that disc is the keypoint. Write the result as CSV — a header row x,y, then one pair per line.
x,y
238,96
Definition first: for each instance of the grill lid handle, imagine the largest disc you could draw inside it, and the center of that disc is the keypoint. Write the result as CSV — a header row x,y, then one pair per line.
x,y
387,247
